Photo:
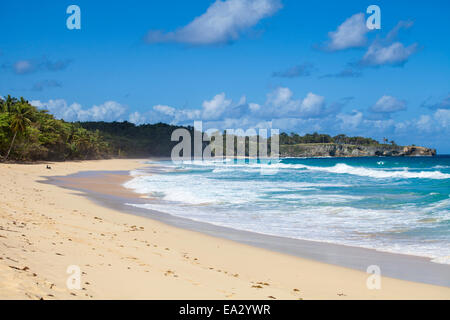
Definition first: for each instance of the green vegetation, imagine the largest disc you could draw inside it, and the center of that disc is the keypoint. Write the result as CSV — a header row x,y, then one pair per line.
x,y
30,134
128,140
294,138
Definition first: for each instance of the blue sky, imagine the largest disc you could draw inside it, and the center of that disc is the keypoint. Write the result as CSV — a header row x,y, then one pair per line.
x,y
292,65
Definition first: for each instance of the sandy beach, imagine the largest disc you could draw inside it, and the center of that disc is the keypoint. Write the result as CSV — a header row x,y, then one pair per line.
x,y
44,229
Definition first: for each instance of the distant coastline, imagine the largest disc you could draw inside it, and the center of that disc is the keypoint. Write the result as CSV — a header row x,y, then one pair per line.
x,y
348,150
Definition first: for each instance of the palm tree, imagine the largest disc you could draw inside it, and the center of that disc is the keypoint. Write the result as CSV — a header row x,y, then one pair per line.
x,y
9,103
20,120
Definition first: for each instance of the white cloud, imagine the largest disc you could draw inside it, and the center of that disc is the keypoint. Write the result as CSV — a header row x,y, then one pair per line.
x,y
350,121
170,111
254,107
350,34
442,116
280,97
214,108
190,114
222,22
312,105
387,51
382,125
436,124
395,54
28,66
281,105
137,118
172,115
220,109
242,101
388,104
23,67
425,123
108,111
402,127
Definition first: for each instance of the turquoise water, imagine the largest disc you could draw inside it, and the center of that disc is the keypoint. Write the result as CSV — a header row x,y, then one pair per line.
x,y
397,205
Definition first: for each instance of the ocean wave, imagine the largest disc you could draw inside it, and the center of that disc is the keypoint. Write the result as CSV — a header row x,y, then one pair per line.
x,y
309,200
366,234
441,167
442,260
442,206
342,168
317,198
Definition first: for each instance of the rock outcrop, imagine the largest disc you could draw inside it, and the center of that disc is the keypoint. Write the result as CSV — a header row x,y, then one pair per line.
x,y
344,150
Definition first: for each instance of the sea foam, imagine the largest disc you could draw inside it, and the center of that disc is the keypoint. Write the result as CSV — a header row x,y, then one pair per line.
x,y
400,207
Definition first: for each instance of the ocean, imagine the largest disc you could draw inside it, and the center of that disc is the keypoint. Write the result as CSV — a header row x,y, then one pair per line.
x,y
398,205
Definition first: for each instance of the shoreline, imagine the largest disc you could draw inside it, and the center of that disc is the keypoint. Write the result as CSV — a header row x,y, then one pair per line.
x,y
45,228
399,266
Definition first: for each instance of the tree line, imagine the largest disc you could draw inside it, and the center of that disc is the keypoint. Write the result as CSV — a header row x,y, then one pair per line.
x,y
294,138
30,134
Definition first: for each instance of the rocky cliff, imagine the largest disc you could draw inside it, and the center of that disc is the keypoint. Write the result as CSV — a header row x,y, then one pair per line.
x,y
345,150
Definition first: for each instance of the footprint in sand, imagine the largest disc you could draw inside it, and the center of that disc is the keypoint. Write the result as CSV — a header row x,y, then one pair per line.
x,y
257,286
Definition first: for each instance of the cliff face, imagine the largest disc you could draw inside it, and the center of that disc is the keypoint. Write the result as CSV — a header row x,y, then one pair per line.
x,y
343,150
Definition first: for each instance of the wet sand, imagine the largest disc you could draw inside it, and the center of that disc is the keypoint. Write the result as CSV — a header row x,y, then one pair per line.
x,y
106,189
